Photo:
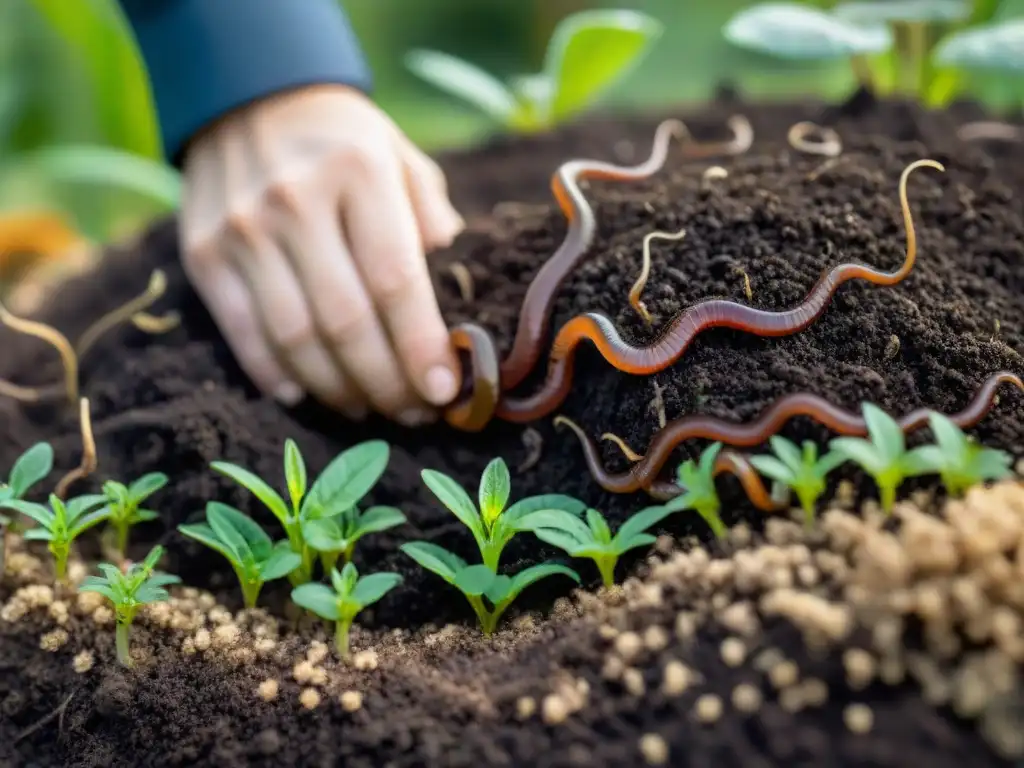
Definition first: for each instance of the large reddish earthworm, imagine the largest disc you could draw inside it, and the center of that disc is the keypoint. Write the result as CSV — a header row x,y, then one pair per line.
x,y
712,313
475,408
644,473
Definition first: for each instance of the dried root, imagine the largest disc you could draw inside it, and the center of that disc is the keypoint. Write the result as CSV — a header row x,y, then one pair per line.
x,y
623,446
645,271
463,279
89,461
990,130
533,441
827,144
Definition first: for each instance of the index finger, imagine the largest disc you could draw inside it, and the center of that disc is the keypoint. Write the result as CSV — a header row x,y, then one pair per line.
x,y
388,247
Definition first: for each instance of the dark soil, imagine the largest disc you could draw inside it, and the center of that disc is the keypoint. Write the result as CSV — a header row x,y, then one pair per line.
x,y
177,402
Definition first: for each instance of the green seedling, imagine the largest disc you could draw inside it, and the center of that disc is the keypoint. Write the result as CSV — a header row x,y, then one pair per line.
x,y
60,524
958,460
124,505
348,594
992,49
698,480
801,470
338,489
594,539
129,591
336,537
29,468
798,32
489,594
252,553
492,524
883,455
588,53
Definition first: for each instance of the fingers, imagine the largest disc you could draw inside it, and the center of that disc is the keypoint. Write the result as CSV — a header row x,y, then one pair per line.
x,y
384,234
438,221
344,313
227,298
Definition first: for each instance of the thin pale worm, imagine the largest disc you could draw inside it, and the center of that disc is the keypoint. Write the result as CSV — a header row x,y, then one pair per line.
x,y
827,144
645,270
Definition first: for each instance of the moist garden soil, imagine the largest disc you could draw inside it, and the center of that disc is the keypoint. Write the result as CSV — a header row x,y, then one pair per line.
x,y
762,235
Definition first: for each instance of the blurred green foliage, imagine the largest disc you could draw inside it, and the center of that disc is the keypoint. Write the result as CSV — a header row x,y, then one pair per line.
x,y
70,75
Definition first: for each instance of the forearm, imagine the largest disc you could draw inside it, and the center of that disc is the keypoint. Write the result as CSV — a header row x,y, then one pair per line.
x,y
209,57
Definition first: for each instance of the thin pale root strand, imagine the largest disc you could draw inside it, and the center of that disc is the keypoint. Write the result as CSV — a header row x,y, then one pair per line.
x,y
89,461
741,141
58,341
127,311
645,271
827,144
623,446
155,325
463,279
990,130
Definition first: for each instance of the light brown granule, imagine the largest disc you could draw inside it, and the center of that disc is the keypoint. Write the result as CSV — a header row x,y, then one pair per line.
x,y
859,718
708,708
677,678
309,698
784,674
654,749
628,645
365,660
747,698
82,662
733,651
554,710
203,640
633,682
268,689
317,652
53,640
526,707
351,701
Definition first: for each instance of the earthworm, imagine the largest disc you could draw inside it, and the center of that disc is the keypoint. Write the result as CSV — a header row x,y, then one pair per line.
x,y
829,144
645,271
712,313
727,462
643,474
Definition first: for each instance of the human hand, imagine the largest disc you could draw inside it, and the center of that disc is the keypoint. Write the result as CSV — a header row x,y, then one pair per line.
x,y
303,229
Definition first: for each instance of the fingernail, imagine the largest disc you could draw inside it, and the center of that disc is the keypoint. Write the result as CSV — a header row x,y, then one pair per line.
x,y
442,386
289,393
414,417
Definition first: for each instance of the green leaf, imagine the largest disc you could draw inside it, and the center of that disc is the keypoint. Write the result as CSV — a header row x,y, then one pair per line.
x,y
877,11
591,51
147,485
499,589
787,452
318,598
94,584
79,505
370,589
150,593
377,519
794,31
38,512
545,501
474,580
495,488
640,522
257,487
294,472
347,479
144,516
281,562
773,468
924,459
564,541
158,579
324,535
706,466
254,539
85,522
634,541
859,451
557,519
828,462
884,432
951,439
31,467
37,534
455,498
535,573
204,534
599,526
465,81
435,559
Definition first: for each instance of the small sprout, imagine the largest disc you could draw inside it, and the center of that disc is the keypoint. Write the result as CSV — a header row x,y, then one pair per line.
x,y
959,460
124,505
594,539
801,470
342,484
29,468
492,524
252,553
335,537
995,47
130,591
348,594
794,31
60,523
481,585
698,481
883,455
588,53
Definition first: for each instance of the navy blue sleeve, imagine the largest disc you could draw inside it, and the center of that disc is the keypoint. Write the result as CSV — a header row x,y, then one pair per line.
x,y
208,57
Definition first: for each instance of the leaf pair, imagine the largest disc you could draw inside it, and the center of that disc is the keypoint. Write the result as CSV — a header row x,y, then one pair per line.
x,y
697,478
337,536
60,523
492,525
588,53
29,468
252,553
477,582
958,460
800,469
594,539
124,504
348,594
